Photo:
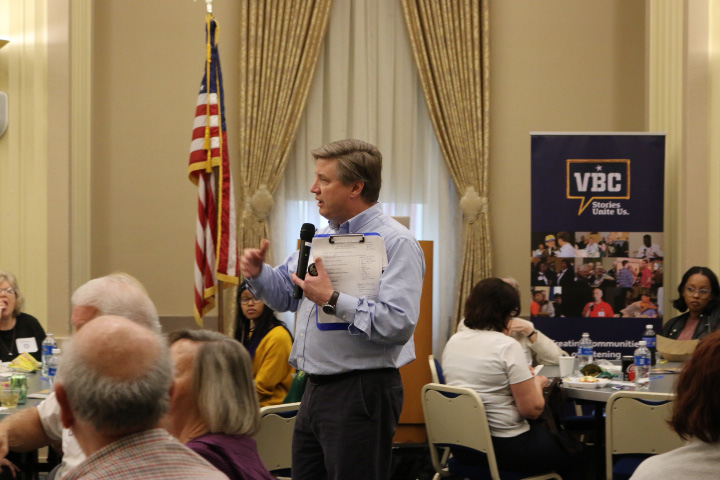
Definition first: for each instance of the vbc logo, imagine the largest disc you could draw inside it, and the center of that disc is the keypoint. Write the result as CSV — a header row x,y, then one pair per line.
x,y
589,180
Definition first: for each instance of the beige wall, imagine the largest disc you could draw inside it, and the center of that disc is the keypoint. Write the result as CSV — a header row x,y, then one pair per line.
x,y
555,65
23,150
148,62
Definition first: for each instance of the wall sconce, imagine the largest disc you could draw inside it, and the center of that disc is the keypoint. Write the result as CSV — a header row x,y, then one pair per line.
x,y
3,100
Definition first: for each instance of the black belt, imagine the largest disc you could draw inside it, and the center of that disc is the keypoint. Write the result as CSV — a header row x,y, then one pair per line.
x,y
325,379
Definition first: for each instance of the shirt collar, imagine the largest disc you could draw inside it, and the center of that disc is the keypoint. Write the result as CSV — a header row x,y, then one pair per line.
x,y
357,223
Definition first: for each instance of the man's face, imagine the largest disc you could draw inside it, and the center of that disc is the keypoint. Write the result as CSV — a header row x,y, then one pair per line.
x,y
81,314
332,195
597,294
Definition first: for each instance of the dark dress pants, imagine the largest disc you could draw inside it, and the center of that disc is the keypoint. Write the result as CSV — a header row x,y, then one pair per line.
x,y
345,426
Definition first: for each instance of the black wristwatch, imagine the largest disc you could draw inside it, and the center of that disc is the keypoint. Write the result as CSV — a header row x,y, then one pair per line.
x,y
329,307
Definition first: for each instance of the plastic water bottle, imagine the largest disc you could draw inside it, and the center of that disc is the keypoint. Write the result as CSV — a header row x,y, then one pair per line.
x,y
585,351
651,340
47,347
642,366
53,364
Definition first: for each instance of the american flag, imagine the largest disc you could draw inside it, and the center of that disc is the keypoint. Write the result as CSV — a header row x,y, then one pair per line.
x,y
215,236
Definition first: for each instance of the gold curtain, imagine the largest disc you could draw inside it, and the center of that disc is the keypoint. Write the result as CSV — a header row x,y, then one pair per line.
x,y
279,45
450,43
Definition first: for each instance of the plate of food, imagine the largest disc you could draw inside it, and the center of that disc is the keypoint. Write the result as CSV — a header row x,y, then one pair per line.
x,y
587,382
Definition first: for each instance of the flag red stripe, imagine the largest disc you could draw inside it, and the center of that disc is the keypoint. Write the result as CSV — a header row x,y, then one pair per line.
x,y
215,243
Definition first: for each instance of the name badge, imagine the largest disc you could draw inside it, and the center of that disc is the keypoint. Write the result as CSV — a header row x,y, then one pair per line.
x,y
601,314
26,345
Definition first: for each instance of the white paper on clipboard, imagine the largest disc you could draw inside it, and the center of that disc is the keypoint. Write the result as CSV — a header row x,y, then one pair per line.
x,y
354,264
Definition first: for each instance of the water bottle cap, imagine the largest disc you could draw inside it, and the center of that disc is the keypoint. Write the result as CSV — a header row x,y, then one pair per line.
x,y
642,343
585,334
649,327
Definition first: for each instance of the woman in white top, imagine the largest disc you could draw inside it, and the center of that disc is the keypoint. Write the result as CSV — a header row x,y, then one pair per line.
x,y
485,358
538,348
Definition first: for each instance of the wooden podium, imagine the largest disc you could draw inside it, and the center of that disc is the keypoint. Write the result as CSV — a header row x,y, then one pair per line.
x,y
417,374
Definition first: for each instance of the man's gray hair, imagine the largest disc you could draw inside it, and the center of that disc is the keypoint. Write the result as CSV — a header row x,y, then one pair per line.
x,y
357,161
119,294
115,406
223,383
19,298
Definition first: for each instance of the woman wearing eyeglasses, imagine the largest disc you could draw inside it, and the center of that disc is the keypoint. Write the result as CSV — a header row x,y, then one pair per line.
x,y
19,332
700,296
269,342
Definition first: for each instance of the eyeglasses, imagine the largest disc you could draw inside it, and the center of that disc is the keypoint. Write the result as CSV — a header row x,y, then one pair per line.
x,y
702,293
9,291
246,300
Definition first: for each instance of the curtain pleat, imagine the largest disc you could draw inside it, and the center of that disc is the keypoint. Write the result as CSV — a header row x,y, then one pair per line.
x,y
450,43
279,45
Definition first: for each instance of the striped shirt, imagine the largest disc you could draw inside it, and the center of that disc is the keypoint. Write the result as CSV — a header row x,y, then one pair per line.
x,y
150,455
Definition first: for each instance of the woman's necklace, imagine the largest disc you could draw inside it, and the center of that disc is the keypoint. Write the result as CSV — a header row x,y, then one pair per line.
x,y
12,342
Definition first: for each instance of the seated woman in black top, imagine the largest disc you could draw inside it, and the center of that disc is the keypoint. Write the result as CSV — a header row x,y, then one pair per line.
x,y
700,296
19,332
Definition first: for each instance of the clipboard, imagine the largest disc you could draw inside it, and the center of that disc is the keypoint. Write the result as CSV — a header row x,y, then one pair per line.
x,y
354,263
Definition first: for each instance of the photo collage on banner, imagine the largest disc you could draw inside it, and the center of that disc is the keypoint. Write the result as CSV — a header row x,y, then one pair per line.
x,y
596,247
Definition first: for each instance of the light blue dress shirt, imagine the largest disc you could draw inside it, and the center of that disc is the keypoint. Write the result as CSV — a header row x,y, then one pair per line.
x,y
380,330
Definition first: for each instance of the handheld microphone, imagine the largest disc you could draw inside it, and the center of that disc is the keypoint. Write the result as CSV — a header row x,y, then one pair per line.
x,y
307,232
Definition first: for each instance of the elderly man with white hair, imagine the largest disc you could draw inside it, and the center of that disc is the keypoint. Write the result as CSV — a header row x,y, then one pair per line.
x,y
117,294
113,387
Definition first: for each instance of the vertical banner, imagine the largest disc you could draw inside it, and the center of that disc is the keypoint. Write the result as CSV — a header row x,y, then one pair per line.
x,y
597,238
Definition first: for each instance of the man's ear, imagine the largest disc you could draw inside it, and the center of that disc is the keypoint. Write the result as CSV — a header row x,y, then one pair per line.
x,y
357,189
66,415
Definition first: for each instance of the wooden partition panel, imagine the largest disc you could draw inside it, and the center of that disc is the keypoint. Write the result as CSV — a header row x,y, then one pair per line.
x,y
417,374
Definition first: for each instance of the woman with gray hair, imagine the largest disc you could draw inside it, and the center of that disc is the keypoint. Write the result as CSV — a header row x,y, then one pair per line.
x,y
214,408
19,332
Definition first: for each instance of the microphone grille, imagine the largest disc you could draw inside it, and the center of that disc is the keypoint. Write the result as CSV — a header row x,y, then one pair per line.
x,y
307,232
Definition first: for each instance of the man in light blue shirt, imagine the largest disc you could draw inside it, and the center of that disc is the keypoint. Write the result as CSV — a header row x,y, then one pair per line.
x,y
351,407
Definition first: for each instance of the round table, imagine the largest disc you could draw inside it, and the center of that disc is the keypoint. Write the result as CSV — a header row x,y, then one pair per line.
x,y
660,382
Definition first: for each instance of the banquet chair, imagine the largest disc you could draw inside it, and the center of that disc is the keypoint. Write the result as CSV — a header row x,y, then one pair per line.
x,y
635,428
274,440
455,418
436,371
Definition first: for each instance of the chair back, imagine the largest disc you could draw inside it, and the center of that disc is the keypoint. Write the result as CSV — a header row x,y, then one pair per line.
x,y
436,371
274,440
455,416
297,388
636,423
